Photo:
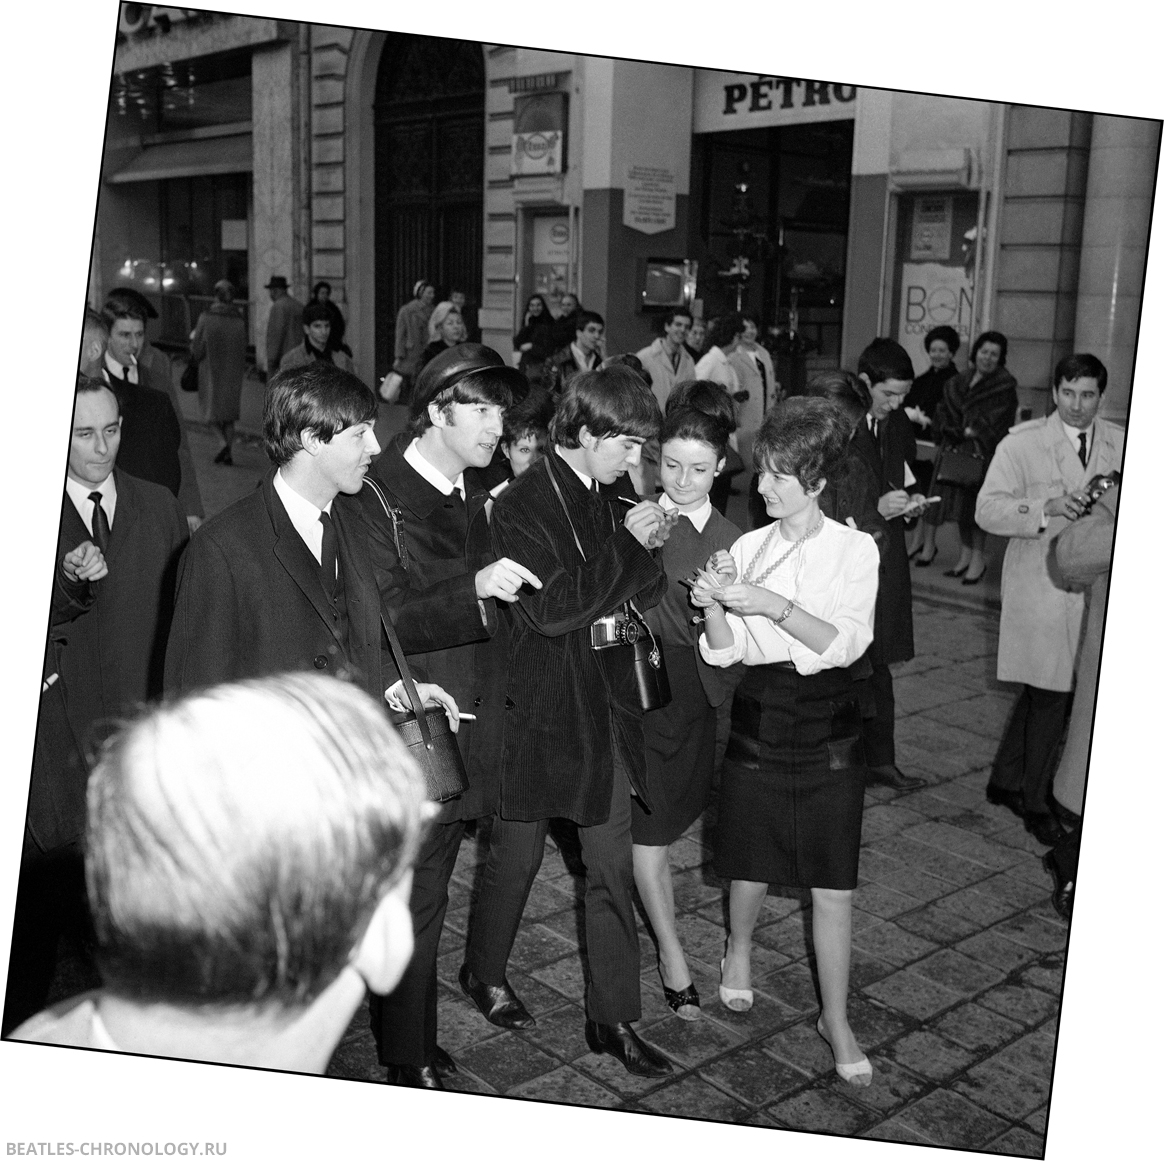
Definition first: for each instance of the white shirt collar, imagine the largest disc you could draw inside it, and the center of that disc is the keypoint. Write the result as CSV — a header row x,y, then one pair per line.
x,y
699,517
587,481
584,359
1072,434
415,460
116,371
79,494
304,515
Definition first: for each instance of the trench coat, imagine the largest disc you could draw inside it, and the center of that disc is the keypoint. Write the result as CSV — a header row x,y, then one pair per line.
x,y
1038,635
219,343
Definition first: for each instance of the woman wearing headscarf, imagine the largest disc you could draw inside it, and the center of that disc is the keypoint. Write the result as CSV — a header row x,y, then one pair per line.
x,y
412,334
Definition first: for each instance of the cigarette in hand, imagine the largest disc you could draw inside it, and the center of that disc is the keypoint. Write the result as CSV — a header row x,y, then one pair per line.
x,y
467,717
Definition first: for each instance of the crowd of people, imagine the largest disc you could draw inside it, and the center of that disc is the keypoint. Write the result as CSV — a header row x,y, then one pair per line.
x,y
547,545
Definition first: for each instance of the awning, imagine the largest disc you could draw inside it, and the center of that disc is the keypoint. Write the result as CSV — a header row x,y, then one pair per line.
x,y
189,159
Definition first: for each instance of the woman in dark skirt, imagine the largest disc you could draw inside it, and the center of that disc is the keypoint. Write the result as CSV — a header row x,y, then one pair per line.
x,y
680,738
798,616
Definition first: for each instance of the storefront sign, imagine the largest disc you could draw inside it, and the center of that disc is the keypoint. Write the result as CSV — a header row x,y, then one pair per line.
x,y
551,256
135,18
539,134
930,236
933,295
648,203
726,101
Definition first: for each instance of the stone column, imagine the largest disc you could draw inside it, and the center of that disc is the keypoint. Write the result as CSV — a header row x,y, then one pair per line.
x,y
1120,180
276,192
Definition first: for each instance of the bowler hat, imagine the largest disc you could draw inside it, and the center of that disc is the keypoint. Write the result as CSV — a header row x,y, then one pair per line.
x,y
457,363
277,282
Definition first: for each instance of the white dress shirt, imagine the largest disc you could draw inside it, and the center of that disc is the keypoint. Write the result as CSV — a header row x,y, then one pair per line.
x,y
416,461
833,576
699,517
79,494
587,481
304,515
114,370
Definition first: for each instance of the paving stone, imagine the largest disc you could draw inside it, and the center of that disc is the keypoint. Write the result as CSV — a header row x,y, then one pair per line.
x,y
536,946
691,1042
918,884
875,865
873,1023
801,1046
566,1086
1028,1005
460,1025
887,818
1018,1143
822,1110
957,972
507,1060
789,937
939,764
970,846
864,969
986,714
892,1087
1034,932
976,1027
894,1129
694,1097
912,994
935,922
1005,1091
1037,1122
992,948
1012,890
915,692
1049,978
539,997
545,900
793,986
1032,1054
930,1055
355,1059
560,1032
610,1073
686,853
466,1081
890,942
693,891
948,1118
754,1076
978,904
565,976
882,901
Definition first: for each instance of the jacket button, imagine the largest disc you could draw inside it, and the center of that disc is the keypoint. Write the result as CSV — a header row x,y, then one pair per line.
x,y
320,662
477,701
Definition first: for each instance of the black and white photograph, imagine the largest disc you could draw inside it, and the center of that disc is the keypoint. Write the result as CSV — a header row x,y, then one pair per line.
x,y
576,585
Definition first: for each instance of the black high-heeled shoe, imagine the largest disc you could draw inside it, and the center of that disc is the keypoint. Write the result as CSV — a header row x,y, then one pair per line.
x,y
973,580
956,572
687,998
224,457
925,561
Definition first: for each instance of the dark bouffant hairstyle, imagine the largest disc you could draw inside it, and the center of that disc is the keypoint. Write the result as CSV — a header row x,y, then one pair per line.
x,y
845,389
1081,367
319,397
724,329
803,437
529,417
707,414
948,335
884,359
609,401
996,337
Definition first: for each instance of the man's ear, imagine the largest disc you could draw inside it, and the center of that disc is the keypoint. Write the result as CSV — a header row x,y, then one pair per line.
x,y
585,439
386,947
310,442
436,416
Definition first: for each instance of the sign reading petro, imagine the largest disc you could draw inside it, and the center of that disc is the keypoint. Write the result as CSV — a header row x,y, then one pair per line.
x,y
755,100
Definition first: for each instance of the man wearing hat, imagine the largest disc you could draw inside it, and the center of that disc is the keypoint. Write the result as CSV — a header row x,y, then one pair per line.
x,y
425,512
284,322
412,334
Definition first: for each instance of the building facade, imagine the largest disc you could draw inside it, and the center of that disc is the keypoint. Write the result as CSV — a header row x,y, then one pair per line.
x,y
245,148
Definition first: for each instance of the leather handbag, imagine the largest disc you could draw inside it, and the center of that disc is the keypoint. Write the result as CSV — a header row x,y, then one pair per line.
x,y
427,734
189,381
961,466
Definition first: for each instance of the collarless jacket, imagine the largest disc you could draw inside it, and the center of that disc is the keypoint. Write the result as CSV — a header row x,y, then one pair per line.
x,y
449,636
1038,633
569,705
885,457
250,602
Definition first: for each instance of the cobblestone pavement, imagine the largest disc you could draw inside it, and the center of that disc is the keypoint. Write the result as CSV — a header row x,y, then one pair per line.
x,y
957,953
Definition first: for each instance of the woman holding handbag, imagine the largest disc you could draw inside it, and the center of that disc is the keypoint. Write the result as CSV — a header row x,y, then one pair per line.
x,y
794,602
680,737
977,409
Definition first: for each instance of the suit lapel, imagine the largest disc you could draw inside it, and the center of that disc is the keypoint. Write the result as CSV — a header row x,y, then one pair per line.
x,y
295,556
124,518
361,595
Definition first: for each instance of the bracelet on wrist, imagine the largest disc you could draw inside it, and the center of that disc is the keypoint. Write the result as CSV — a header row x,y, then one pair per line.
x,y
785,614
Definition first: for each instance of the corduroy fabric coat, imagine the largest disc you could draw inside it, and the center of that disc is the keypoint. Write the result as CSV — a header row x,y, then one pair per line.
x,y
568,705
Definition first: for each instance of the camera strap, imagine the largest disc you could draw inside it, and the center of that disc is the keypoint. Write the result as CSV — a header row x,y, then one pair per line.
x,y
565,510
395,519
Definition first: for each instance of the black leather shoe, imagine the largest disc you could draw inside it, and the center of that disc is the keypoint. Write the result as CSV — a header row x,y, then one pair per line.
x,y
499,1005
412,1076
892,777
443,1064
1011,799
622,1042
1063,896
1068,819
1045,828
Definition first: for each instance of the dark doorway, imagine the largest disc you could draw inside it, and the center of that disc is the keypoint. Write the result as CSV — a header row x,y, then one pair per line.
x,y
430,164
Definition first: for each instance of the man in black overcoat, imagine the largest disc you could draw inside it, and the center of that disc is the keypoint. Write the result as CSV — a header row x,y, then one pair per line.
x,y
425,512
573,739
885,441
282,580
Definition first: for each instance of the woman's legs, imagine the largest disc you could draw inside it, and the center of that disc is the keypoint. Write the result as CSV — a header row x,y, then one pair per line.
x,y
744,902
977,554
832,925
653,880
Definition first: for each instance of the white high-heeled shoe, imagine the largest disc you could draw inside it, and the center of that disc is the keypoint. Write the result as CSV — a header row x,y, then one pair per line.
x,y
859,1074
735,999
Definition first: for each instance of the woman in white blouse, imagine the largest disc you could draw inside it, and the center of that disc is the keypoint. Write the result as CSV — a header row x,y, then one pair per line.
x,y
794,601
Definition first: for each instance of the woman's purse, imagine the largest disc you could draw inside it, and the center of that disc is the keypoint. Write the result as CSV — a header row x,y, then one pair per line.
x,y
963,467
189,381
427,734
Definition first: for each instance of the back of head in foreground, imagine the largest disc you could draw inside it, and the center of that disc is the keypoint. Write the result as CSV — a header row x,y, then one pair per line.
x,y
248,863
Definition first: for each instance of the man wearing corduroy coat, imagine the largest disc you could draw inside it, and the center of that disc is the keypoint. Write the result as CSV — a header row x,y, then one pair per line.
x,y
573,739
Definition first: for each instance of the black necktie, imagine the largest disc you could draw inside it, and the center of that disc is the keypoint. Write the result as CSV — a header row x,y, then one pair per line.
x,y
594,486
763,382
328,557
875,430
1083,448
100,523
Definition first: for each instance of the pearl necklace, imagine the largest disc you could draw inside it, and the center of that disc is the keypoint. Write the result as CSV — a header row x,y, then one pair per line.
x,y
748,579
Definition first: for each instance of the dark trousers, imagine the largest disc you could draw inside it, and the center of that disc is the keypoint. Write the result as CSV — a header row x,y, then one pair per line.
x,y
1026,756
612,944
877,730
404,1023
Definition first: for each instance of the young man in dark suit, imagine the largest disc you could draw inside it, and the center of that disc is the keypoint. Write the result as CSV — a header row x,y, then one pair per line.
x,y
425,509
573,739
282,580
885,440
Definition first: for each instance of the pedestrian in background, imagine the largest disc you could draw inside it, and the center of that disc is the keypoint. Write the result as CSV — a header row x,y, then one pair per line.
x,y
218,344
535,340
412,335
321,293
284,322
